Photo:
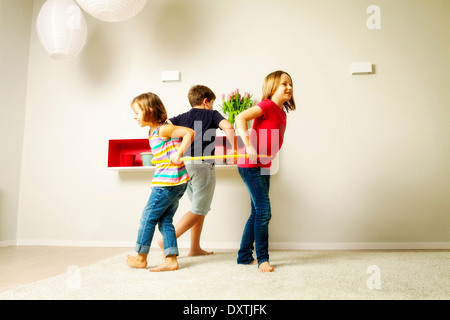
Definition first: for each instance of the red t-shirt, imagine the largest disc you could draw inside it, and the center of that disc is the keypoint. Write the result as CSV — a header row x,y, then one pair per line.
x,y
266,134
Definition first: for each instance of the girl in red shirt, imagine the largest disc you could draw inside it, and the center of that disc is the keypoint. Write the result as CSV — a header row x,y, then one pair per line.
x,y
266,138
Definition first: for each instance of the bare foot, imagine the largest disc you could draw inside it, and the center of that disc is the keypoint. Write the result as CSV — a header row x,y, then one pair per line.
x,y
199,252
170,264
253,262
265,267
139,261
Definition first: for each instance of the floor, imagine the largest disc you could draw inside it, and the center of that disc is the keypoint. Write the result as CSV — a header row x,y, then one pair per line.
x,y
26,264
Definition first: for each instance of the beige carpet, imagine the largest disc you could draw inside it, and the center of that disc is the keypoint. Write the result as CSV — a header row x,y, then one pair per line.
x,y
298,275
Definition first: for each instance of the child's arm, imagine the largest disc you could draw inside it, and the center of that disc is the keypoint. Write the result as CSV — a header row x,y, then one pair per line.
x,y
241,123
171,131
226,126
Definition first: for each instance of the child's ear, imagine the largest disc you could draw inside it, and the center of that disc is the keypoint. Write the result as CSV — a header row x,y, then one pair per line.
x,y
205,102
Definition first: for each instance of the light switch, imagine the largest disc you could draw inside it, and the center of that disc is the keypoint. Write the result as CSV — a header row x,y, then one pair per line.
x,y
361,67
173,75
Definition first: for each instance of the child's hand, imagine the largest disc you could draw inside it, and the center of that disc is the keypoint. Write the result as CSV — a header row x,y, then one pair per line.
x,y
234,159
252,155
175,158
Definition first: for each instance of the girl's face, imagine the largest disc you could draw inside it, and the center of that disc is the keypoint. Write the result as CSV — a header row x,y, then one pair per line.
x,y
284,90
139,115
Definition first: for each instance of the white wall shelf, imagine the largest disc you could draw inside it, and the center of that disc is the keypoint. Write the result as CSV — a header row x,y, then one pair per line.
x,y
152,168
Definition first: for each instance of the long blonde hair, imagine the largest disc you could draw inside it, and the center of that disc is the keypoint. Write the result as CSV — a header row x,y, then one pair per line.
x,y
271,83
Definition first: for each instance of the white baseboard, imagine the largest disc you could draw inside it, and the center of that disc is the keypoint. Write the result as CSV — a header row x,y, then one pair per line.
x,y
76,243
235,245
8,243
362,246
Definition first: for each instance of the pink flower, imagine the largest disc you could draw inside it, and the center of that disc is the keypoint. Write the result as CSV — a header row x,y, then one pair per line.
x,y
236,97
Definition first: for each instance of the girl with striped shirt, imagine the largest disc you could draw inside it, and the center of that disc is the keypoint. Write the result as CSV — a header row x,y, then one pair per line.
x,y
167,142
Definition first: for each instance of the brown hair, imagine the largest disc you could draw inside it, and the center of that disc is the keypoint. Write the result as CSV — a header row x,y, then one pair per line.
x,y
271,83
152,107
198,93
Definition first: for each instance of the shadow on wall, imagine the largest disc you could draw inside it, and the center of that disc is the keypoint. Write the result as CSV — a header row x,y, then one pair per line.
x,y
98,56
8,223
173,29
2,214
133,177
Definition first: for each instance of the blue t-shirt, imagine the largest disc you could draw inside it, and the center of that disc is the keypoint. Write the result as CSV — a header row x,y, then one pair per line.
x,y
204,122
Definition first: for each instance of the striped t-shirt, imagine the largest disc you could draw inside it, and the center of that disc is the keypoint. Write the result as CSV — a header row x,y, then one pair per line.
x,y
166,174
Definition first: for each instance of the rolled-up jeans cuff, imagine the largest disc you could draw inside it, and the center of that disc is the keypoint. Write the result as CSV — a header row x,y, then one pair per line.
x,y
142,249
171,251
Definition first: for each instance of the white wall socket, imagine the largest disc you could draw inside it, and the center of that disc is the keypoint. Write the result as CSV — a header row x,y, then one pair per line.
x,y
173,75
361,67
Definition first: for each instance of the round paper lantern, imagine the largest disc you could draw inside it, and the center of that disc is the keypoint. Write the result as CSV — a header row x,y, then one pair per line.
x,y
61,28
112,10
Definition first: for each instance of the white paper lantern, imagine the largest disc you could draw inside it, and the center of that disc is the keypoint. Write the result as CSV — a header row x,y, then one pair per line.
x,y
61,28
112,10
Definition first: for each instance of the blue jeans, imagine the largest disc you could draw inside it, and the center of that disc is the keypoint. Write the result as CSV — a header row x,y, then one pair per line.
x,y
160,209
256,230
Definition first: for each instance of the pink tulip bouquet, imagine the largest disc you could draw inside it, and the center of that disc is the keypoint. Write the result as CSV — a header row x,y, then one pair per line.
x,y
235,104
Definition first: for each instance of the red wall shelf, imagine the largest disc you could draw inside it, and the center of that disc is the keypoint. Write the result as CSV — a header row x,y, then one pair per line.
x,y
120,149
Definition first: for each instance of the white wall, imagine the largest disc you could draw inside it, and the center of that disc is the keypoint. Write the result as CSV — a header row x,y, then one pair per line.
x,y
15,27
365,160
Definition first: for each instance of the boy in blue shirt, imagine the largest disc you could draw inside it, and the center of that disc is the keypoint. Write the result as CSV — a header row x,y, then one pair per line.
x,y
204,121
